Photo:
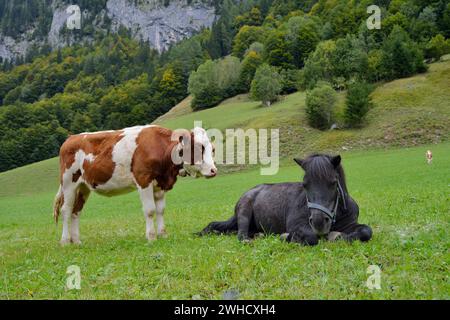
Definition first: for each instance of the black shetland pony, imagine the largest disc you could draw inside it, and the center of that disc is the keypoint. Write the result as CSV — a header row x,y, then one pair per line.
x,y
301,211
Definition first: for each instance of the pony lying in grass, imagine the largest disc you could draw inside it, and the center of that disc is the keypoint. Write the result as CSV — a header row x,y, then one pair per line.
x,y
301,211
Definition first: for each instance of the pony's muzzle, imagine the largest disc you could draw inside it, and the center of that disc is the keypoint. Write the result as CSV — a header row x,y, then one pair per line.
x,y
319,222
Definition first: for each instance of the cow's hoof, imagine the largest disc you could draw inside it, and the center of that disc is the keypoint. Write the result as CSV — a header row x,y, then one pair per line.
x,y
334,236
151,237
64,242
163,235
76,242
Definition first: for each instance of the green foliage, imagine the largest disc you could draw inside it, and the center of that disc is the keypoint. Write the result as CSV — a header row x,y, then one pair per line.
x,y
437,47
277,51
290,79
121,107
374,66
319,65
168,87
425,25
320,105
250,18
17,16
250,63
245,37
214,81
349,58
401,56
358,103
302,36
266,85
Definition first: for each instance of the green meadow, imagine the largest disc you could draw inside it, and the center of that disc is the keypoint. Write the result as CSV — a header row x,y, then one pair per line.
x,y
405,201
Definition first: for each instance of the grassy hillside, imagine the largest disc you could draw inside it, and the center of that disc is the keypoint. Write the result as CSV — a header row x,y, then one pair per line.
x,y
403,199
406,112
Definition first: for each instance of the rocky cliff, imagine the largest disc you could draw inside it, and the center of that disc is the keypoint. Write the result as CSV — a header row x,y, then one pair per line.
x,y
160,22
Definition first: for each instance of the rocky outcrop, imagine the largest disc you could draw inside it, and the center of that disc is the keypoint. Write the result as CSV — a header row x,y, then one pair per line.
x,y
161,23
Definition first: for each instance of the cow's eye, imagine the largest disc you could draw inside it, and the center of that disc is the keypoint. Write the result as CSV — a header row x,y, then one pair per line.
x,y
203,149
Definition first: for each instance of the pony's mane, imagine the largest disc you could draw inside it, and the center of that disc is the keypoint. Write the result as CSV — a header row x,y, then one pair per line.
x,y
319,166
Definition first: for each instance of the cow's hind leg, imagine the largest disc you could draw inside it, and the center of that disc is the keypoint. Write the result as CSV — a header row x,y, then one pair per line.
x,y
80,199
160,203
149,208
69,192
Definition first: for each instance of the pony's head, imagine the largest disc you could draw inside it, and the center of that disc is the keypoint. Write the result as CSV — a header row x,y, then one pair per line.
x,y
324,184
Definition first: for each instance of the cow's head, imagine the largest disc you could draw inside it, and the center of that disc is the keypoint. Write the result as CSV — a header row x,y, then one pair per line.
x,y
196,153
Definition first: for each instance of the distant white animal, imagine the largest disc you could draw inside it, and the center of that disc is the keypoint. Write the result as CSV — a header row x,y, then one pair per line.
x,y
429,156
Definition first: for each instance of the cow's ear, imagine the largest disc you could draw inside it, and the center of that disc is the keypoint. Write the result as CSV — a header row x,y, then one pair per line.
x,y
185,139
336,161
299,162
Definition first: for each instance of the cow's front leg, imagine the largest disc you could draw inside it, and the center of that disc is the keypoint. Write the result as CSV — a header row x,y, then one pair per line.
x,y
149,207
160,203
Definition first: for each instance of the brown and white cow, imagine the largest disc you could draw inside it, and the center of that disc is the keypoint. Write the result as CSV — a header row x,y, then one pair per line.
x,y
147,158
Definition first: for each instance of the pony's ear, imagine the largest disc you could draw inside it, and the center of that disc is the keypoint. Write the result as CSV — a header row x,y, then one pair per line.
x,y
299,161
336,161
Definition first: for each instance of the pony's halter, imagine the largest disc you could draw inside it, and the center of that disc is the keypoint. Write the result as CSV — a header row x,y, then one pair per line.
x,y
328,212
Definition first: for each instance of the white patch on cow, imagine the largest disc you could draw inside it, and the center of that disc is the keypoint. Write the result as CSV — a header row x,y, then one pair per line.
x,y
97,132
122,155
207,167
149,208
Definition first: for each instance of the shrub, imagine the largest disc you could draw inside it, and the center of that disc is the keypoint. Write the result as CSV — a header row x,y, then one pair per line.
x,y
357,103
437,47
289,80
214,81
266,85
320,105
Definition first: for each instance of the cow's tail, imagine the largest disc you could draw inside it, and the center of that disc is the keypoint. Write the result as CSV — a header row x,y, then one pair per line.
x,y
228,226
57,204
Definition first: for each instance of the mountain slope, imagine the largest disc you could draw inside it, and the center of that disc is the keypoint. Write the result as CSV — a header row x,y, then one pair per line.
x,y
406,112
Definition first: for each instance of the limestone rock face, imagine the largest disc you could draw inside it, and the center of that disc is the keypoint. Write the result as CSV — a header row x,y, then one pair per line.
x,y
160,22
